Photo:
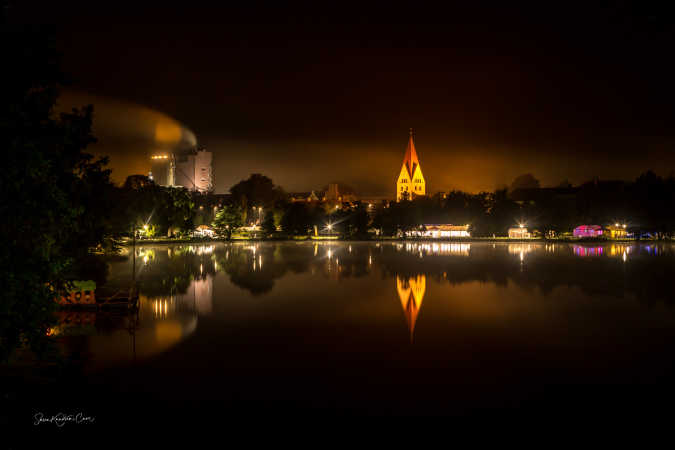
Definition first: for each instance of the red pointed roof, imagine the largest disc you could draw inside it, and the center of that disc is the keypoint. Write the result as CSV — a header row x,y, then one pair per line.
x,y
410,160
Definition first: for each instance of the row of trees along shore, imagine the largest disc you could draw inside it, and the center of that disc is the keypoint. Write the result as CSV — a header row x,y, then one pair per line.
x,y
646,205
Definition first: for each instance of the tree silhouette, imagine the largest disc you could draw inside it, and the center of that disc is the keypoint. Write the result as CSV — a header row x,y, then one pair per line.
x,y
525,181
268,223
57,199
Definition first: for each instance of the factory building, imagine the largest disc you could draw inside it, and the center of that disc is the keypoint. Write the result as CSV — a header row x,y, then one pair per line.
x,y
161,171
191,169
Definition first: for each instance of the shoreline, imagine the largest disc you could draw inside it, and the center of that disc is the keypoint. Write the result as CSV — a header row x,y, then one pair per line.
x,y
453,240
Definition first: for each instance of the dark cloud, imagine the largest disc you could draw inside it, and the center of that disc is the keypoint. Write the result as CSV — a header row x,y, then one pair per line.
x,y
128,132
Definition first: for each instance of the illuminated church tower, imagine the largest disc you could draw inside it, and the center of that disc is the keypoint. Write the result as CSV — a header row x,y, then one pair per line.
x,y
410,181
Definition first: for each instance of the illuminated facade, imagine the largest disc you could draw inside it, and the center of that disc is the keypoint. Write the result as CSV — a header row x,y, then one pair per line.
x,y
203,231
588,231
442,231
617,231
190,169
163,169
194,170
410,181
519,233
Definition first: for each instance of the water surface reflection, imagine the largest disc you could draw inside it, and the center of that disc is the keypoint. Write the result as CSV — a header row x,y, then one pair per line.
x,y
367,286
411,293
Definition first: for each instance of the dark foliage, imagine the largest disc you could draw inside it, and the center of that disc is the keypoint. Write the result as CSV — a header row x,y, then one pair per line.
x,y
646,205
297,219
268,225
258,191
56,198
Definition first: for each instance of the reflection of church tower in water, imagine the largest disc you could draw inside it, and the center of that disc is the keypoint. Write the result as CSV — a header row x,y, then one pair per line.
x,y
411,293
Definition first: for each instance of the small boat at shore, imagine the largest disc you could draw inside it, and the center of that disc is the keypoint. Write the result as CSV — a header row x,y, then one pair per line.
x,y
84,296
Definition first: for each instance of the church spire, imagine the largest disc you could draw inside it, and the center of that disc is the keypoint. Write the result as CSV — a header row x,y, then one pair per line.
x,y
410,179
410,160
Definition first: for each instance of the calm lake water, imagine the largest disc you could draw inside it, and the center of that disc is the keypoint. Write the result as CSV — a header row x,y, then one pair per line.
x,y
385,328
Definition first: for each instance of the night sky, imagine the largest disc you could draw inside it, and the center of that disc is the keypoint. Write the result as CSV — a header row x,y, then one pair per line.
x,y
312,94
